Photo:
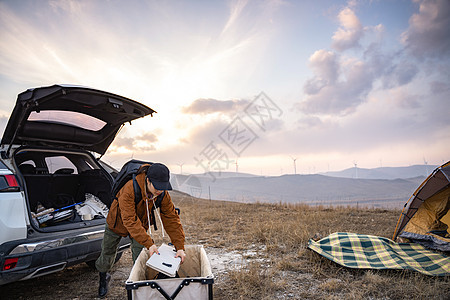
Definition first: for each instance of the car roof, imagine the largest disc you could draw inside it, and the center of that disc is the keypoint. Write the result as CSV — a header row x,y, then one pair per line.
x,y
70,116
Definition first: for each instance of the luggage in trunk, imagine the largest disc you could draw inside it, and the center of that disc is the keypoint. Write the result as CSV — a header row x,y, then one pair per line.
x,y
195,278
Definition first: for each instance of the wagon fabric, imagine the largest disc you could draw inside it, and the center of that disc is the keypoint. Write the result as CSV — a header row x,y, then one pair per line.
x,y
195,281
373,252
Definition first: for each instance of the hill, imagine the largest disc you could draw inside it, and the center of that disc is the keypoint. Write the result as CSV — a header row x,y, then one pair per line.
x,y
384,172
305,189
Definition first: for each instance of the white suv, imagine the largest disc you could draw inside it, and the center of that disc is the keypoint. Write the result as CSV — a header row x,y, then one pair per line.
x,y
50,169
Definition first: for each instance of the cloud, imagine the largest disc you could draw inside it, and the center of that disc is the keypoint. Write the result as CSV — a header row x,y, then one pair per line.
x,y
438,87
403,99
391,120
351,31
210,106
67,6
309,122
326,67
125,142
342,82
428,33
36,50
399,74
236,9
144,142
343,96
206,132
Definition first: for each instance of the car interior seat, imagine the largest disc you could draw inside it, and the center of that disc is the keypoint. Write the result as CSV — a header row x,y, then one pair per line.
x,y
27,169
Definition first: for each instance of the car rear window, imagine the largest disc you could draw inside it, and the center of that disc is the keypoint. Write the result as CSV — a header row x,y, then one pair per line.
x,y
68,118
56,163
2,166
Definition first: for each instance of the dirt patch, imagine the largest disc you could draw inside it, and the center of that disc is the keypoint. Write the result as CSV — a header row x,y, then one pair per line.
x,y
76,282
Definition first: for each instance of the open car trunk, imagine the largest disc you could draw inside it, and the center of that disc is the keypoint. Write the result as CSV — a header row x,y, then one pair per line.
x,y
63,188
71,117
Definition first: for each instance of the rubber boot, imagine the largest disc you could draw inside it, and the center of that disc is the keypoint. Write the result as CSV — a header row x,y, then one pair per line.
x,y
103,284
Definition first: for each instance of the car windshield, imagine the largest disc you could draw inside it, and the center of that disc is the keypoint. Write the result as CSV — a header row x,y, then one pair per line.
x,y
69,118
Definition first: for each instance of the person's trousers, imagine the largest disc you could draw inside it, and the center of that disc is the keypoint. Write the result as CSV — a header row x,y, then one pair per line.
x,y
110,243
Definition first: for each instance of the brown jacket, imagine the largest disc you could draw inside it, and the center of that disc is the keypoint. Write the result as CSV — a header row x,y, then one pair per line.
x,y
128,219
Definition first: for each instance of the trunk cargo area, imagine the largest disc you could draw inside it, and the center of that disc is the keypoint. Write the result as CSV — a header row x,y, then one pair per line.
x,y
63,187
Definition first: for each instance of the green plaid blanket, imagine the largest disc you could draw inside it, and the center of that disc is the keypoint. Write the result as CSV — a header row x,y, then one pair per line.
x,y
373,252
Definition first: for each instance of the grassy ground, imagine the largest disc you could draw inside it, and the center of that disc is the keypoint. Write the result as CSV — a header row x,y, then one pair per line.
x,y
271,241
283,267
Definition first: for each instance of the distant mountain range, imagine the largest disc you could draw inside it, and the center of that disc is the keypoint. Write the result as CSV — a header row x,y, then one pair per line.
x,y
387,187
384,172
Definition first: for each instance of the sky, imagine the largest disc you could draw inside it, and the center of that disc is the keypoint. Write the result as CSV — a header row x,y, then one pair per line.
x,y
265,87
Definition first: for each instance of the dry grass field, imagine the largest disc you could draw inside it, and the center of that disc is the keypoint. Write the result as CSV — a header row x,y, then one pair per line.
x,y
259,251
283,267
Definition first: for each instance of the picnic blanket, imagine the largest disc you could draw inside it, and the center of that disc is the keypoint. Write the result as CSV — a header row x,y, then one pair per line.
x,y
373,252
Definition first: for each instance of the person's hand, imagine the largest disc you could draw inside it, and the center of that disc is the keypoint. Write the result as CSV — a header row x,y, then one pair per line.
x,y
181,254
153,249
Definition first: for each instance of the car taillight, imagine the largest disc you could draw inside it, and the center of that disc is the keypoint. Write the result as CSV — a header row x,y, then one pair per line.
x,y
11,180
8,183
10,263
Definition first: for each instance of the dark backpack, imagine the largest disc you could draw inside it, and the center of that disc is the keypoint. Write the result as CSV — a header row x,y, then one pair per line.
x,y
128,172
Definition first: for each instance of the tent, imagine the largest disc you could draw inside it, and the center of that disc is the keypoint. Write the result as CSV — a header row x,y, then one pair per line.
x,y
425,218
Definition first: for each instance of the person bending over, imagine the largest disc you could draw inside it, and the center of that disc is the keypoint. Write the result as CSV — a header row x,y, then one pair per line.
x,y
126,218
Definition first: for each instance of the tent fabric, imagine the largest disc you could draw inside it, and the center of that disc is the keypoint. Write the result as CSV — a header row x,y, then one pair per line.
x,y
437,182
360,251
431,241
428,226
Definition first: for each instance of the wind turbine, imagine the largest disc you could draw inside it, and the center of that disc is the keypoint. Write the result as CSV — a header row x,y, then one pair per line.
x,y
426,165
295,165
356,169
181,168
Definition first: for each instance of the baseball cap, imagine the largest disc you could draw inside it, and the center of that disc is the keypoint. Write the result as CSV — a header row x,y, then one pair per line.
x,y
159,176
